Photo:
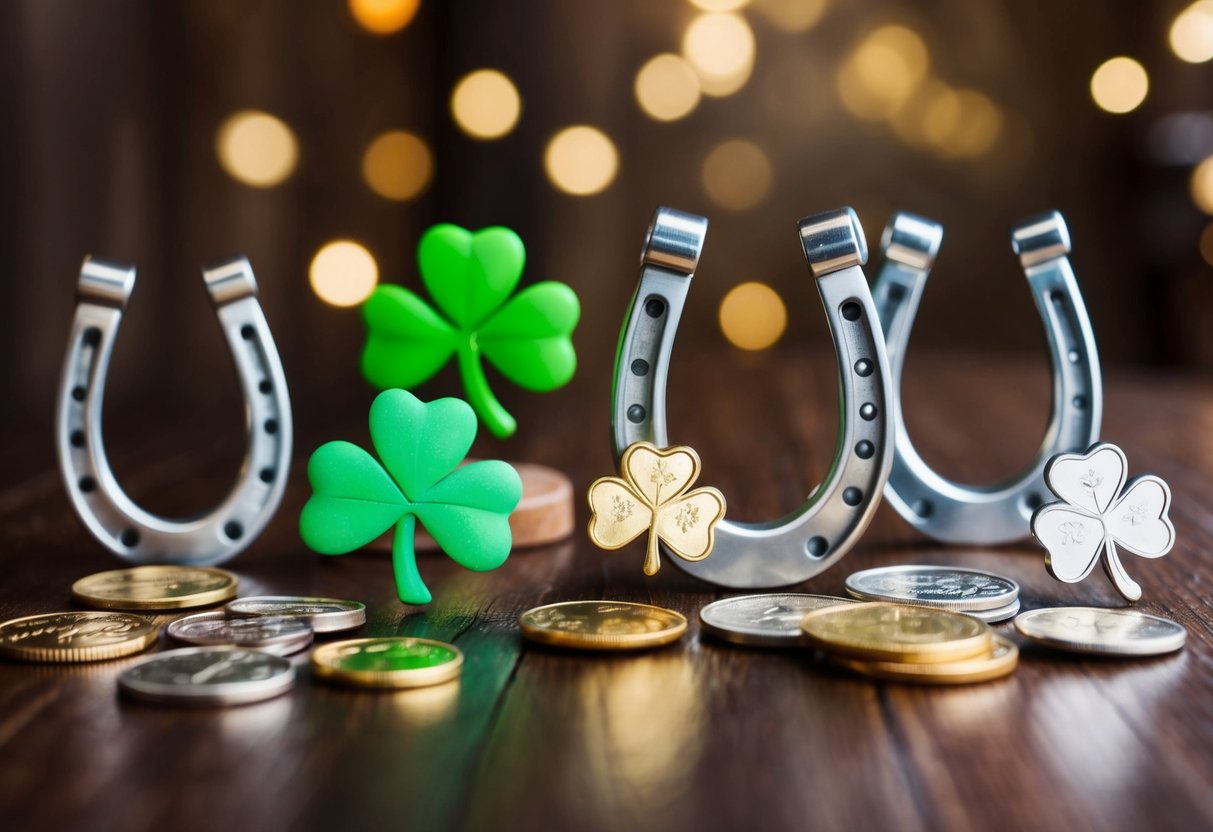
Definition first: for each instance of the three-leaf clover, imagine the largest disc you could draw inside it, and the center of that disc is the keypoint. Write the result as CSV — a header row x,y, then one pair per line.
x,y
465,509
470,276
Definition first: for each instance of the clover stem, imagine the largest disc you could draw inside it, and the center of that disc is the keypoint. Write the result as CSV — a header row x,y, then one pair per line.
x,y
495,417
652,557
409,586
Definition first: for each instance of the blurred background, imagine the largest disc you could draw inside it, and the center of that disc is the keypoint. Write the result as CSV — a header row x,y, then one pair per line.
x,y
321,138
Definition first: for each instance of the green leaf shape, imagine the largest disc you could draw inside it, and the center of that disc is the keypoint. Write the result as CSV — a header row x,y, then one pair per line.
x,y
356,498
408,340
469,274
528,339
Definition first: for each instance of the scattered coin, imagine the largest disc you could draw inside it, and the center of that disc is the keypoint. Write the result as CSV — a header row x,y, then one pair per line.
x,y
388,662
602,625
1001,614
76,636
273,634
326,615
896,632
999,662
763,620
160,587
208,676
946,587
1106,632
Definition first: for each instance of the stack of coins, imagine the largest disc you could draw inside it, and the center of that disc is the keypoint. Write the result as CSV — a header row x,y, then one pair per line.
x,y
904,643
980,594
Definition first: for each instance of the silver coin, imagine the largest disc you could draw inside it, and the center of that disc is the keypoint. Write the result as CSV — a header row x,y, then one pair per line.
x,y
208,676
998,614
763,620
326,615
1101,631
946,587
280,635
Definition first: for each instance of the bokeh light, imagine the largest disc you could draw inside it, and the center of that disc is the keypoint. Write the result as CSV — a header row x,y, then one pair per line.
x,y
720,46
667,88
256,148
581,160
1201,185
383,17
1119,85
737,175
752,316
397,165
791,15
962,123
883,72
343,273
719,5
1206,244
486,104
1191,34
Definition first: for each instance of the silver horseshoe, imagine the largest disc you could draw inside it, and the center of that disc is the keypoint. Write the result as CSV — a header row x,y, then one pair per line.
x,y
999,513
123,527
825,527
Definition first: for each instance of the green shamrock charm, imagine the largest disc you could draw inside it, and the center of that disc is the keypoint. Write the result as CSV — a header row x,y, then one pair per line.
x,y
470,276
466,509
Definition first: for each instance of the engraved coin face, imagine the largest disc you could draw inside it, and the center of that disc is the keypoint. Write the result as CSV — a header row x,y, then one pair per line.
x,y
159,587
896,632
946,587
1108,632
998,662
763,620
388,662
76,636
602,625
326,615
277,635
208,676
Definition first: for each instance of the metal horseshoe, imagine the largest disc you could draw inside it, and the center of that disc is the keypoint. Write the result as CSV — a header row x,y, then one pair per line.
x,y
999,513
825,527
123,527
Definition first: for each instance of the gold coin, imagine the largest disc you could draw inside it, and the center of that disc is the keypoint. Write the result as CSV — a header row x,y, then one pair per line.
x,y
388,662
997,663
76,636
602,625
160,587
896,632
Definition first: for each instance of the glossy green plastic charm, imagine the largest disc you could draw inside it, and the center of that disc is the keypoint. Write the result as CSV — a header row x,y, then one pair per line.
x,y
465,509
470,276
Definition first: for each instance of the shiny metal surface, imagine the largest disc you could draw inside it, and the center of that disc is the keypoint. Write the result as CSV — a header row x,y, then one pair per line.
x,y
325,615
208,676
278,635
771,620
947,587
113,518
950,511
825,527
1104,632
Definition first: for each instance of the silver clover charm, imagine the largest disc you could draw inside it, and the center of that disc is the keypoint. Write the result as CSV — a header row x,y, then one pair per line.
x,y
1099,512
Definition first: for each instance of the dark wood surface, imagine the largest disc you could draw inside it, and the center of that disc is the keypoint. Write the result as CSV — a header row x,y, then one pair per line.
x,y
699,735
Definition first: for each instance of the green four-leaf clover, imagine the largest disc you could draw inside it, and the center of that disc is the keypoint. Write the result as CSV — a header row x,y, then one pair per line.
x,y
470,276
465,509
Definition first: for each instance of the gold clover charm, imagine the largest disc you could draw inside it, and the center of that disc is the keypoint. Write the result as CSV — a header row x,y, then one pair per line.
x,y
652,495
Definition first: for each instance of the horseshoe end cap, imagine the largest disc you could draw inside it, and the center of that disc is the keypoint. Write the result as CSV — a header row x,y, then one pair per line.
x,y
833,241
911,240
229,279
102,281
674,241
1040,238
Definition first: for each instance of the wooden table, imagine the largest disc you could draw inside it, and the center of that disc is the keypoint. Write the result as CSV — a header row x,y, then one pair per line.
x,y
699,735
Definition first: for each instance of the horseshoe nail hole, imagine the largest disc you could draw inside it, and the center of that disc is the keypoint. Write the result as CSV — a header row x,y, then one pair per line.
x,y
1057,298
896,292
271,425
868,412
1080,402
1073,356
92,337
851,310
923,508
87,484
640,367
265,387
77,439
863,367
852,496
817,547
233,530
864,449
247,332
267,475
129,538
78,393
1031,502
636,414
654,307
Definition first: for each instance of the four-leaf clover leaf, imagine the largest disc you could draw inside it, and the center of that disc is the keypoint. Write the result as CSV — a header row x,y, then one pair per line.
x,y
465,509
470,276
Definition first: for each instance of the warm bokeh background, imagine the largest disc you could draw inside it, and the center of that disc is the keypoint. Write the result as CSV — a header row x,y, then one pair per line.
x,y
169,133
